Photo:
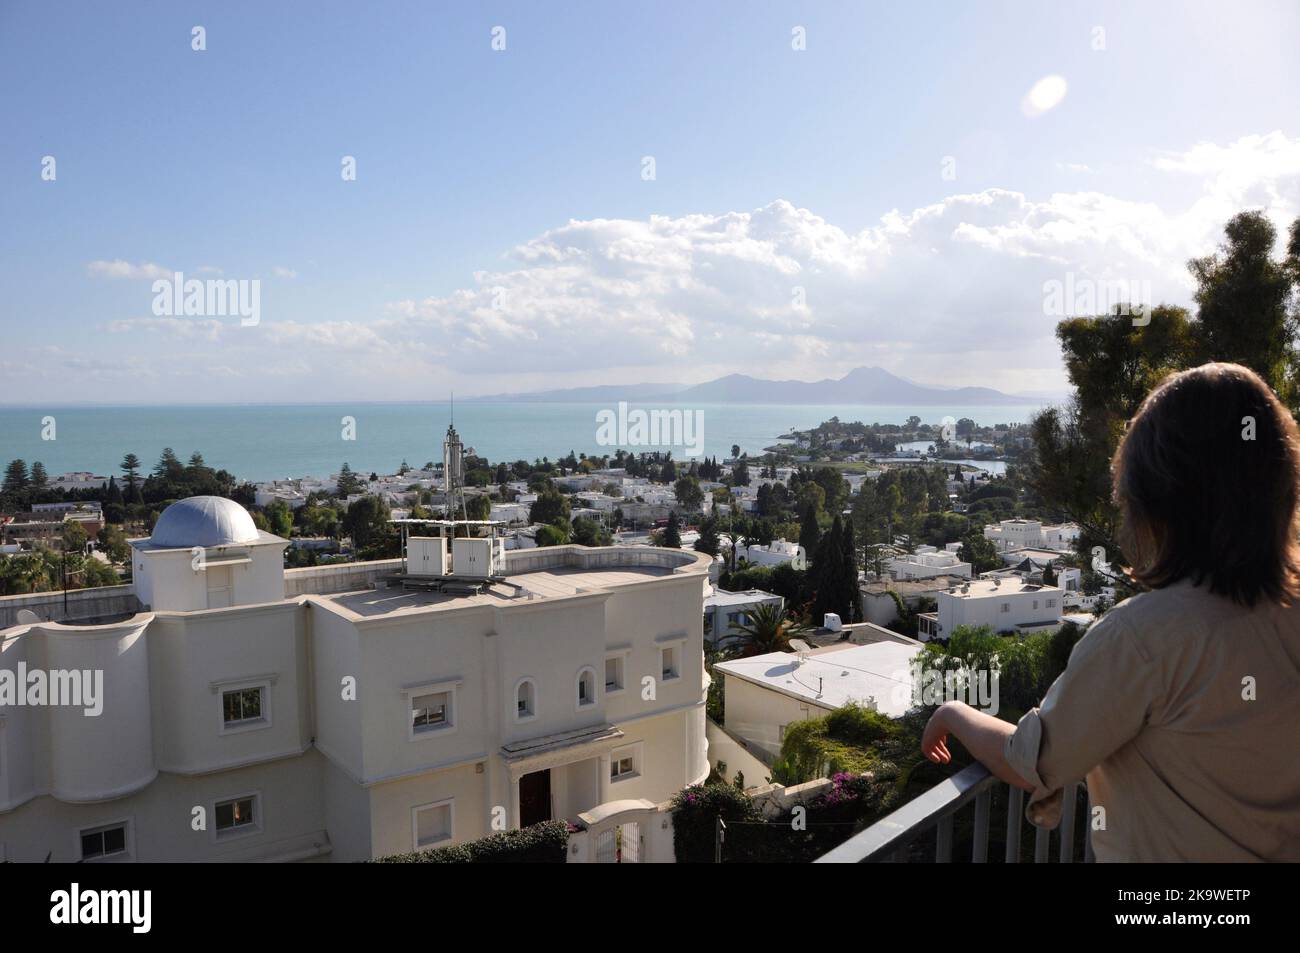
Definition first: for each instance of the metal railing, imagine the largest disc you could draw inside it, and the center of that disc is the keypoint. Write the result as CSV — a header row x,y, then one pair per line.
x,y
891,838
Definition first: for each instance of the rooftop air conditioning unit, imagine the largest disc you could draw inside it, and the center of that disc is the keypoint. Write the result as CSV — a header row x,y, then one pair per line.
x,y
832,622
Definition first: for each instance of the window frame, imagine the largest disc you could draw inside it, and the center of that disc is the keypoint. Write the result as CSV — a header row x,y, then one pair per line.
x,y
126,854
634,752
578,703
528,716
410,693
621,657
243,830
263,683
416,809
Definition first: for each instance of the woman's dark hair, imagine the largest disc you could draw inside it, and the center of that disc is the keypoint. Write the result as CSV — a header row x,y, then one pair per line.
x,y
1206,479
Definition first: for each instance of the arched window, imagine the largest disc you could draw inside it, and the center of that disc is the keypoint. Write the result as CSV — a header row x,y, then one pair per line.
x,y
586,687
525,699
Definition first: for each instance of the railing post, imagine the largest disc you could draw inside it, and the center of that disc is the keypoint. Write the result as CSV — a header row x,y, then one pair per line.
x,y
980,849
1042,837
943,841
1088,856
1069,797
1015,821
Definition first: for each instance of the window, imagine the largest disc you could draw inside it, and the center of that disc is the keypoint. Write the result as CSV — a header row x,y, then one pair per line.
x,y
236,815
1035,603
668,662
430,712
525,699
432,824
101,842
1006,607
625,763
242,706
586,687
614,673
1051,603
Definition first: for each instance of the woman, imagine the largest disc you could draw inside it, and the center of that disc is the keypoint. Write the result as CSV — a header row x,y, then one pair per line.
x,y
1182,704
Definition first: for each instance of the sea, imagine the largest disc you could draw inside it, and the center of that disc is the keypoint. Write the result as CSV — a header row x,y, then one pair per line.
x,y
260,442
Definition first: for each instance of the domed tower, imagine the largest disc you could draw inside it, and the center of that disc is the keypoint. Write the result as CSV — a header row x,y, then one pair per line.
x,y
206,553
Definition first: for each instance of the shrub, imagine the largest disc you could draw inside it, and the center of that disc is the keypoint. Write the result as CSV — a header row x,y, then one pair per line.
x,y
545,843
695,816
843,741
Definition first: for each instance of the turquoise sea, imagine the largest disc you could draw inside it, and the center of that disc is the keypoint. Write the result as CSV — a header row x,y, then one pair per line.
x,y
275,441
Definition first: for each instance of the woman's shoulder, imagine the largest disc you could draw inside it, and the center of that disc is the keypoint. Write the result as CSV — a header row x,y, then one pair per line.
x,y
1181,613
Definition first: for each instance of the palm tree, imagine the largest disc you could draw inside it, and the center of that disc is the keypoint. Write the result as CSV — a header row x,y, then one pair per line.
x,y
767,630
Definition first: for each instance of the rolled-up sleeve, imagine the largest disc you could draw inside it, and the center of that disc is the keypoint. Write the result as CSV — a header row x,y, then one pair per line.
x,y
1097,705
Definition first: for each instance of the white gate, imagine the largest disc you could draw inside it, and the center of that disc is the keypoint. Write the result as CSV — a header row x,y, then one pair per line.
x,y
619,845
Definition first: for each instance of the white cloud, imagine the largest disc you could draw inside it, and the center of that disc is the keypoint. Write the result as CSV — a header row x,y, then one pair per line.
x,y
952,292
117,268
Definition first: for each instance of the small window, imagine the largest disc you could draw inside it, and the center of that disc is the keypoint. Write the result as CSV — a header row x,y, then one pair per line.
x,y
625,763
242,706
526,699
1035,604
586,687
668,662
433,824
1006,607
614,673
430,712
107,841
1051,603
237,814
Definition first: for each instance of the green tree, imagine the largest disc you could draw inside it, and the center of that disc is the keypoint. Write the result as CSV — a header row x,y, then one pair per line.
x,y
688,493
280,518
980,552
549,506
672,535
708,541
809,531
766,629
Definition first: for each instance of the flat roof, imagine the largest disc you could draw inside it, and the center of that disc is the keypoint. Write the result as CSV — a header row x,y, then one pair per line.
x,y
725,597
836,675
552,583
993,587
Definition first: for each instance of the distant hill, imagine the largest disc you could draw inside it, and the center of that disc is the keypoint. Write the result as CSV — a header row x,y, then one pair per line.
x,y
863,385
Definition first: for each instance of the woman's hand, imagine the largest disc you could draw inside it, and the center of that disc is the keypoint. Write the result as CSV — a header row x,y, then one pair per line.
x,y
934,741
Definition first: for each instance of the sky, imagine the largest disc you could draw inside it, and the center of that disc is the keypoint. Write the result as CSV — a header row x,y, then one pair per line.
x,y
549,195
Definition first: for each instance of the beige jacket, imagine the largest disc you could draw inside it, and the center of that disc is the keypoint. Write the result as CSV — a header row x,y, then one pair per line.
x,y
1183,711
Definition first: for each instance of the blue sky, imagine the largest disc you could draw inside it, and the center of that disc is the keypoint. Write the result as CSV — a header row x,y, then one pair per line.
x,y
521,170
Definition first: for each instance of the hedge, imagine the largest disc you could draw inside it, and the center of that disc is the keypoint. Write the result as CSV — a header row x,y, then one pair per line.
x,y
545,843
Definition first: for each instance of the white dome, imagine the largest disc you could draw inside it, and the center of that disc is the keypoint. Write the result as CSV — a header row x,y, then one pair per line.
x,y
204,521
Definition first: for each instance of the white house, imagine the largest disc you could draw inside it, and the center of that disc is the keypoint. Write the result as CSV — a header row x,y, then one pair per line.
x,y
765,693
255,713
777,553
1032,534
725,611
1004,605
928,562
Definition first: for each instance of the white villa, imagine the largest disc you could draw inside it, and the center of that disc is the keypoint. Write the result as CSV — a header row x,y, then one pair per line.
x,y
776,553
1004,605
255,713
1032,534
928,562
765,693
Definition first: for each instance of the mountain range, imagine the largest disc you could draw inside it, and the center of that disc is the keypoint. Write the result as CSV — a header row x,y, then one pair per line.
x,y
862,385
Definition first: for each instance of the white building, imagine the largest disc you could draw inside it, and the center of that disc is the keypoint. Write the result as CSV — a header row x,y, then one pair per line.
x,y
1004,605
765,693
777,553
928,562
78,480
725,611
316,713
1032,534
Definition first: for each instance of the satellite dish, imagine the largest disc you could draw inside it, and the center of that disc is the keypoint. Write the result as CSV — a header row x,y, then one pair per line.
x,y
27,617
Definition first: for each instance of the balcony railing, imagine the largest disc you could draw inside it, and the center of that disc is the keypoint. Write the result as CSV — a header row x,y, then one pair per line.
x,y
892,838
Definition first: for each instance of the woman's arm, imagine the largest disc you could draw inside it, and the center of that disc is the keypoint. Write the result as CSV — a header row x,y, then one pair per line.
x,y
983,735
